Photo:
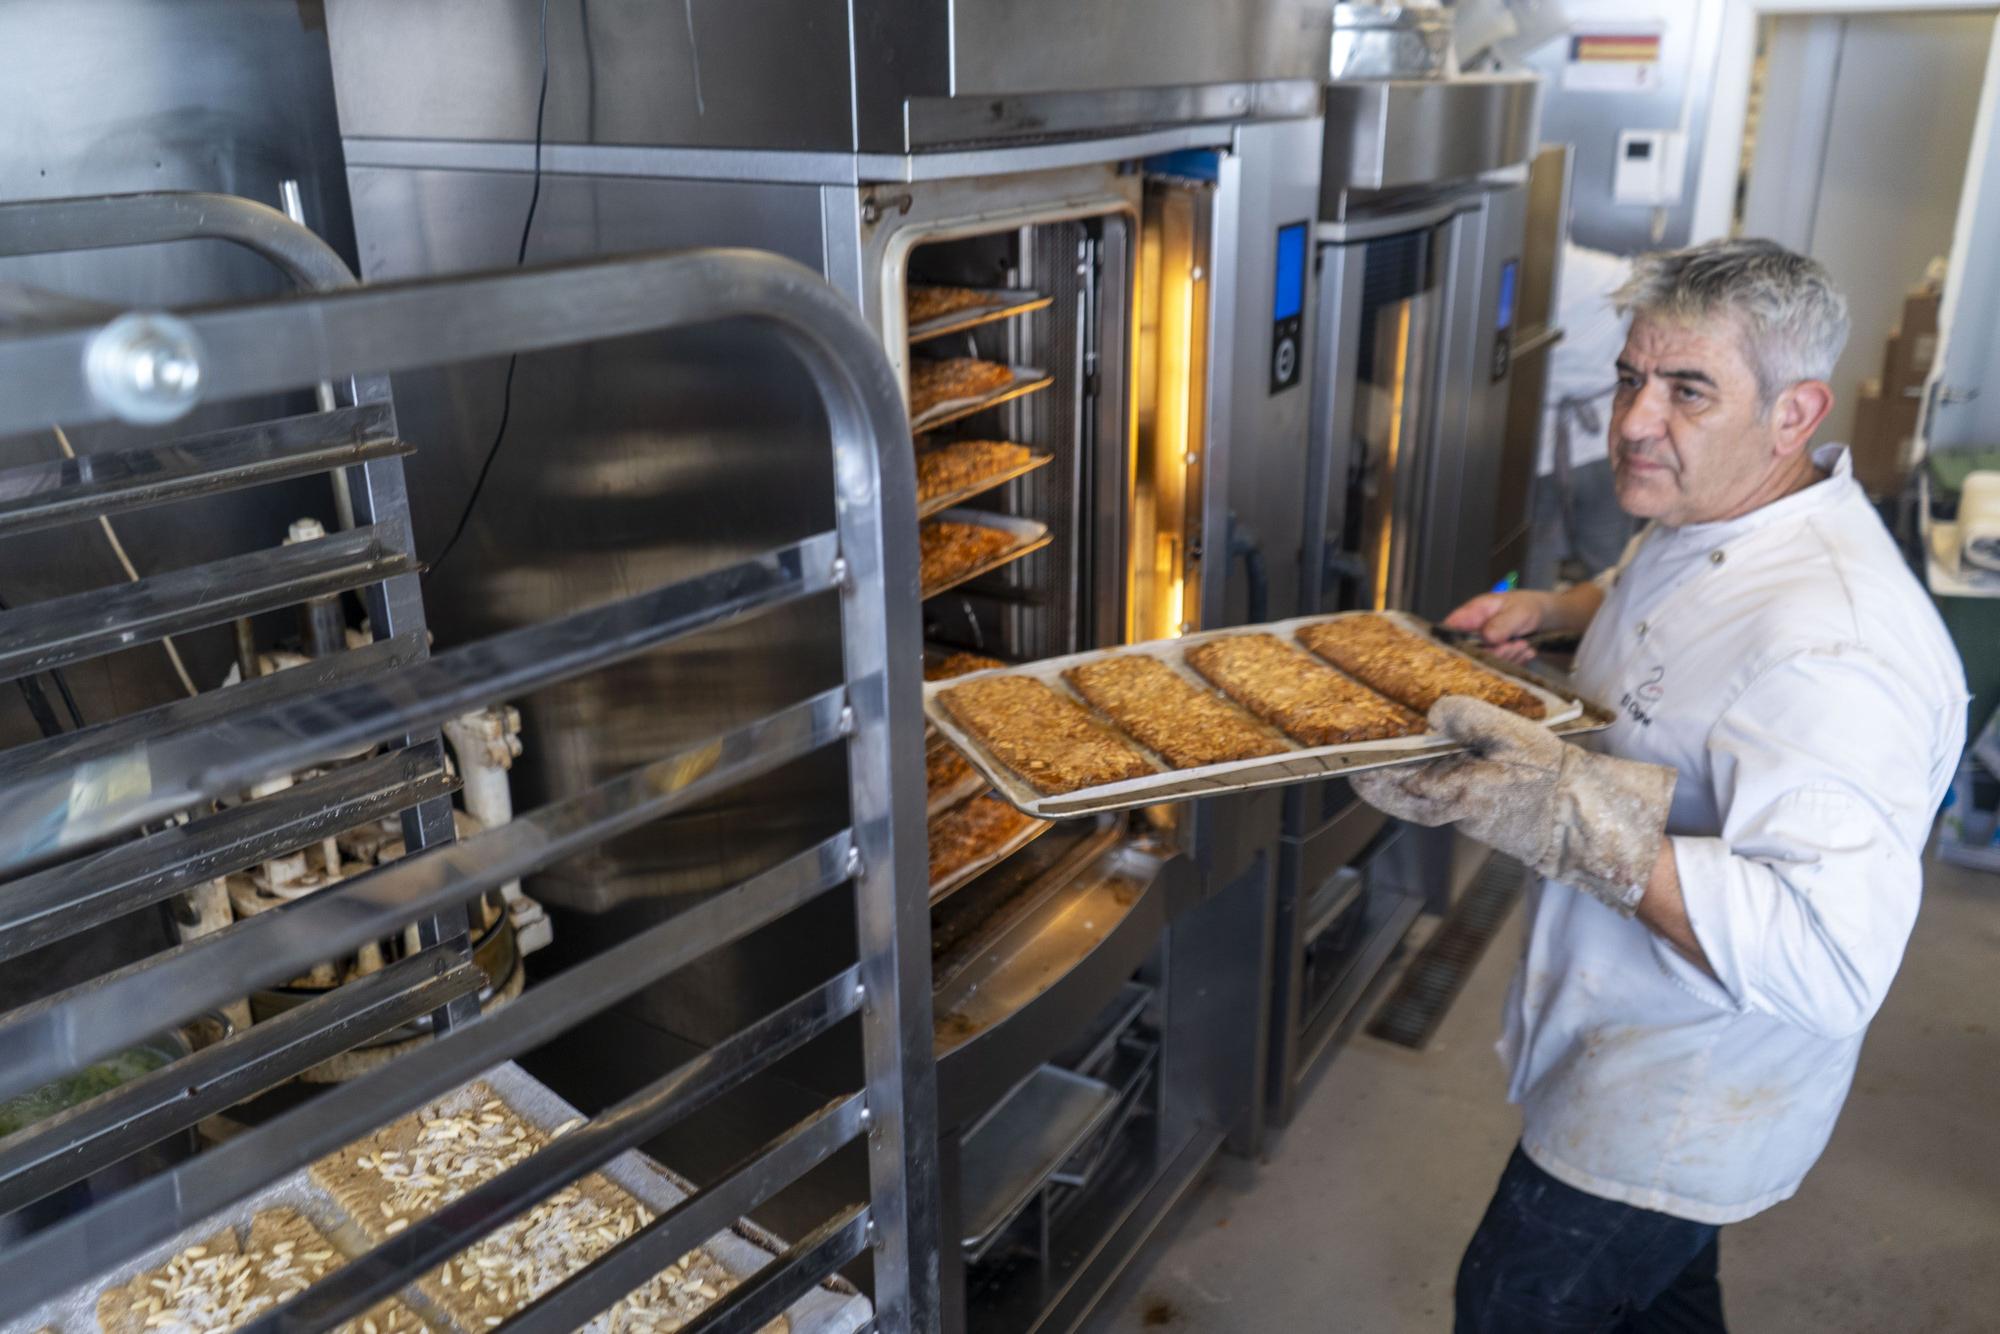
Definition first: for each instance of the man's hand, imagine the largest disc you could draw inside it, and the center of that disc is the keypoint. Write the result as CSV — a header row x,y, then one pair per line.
x,y
1586,819
1505,620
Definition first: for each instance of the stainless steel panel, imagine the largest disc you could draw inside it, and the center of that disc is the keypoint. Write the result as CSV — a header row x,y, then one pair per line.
x,y
1544,231
1590,122
1256,461
618,73
1028,46
1395,134
796,75
935,122
1494,472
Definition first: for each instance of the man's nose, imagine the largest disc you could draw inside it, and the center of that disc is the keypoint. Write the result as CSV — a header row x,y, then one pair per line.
x,y
1645,415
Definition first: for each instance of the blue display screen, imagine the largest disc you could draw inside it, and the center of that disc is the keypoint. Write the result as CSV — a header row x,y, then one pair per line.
x,y
1505,319
1289,300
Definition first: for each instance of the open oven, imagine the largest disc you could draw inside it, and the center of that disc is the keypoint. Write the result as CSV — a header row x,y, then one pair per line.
x,y
1098,986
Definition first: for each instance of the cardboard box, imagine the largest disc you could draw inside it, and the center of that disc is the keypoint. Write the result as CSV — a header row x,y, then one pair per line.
x,y
1907,361
1883,429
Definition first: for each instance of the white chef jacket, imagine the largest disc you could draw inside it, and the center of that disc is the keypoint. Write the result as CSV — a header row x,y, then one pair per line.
x,y
1798,677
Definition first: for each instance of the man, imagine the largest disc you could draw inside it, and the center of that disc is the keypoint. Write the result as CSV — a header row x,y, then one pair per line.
x,y
1578,521
1733,876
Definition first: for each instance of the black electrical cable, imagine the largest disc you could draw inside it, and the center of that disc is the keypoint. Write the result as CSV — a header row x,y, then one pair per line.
x,y
38,705
38,702
520,257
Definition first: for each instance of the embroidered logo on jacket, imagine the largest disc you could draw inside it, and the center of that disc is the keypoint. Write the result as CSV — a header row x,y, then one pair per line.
x,y
1640,699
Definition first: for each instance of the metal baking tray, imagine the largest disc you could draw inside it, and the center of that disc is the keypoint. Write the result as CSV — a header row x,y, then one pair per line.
x,y
1033,535
990,858
741,1251
1002,303
966,789
1568,715
1026,381
935,504
1012,1153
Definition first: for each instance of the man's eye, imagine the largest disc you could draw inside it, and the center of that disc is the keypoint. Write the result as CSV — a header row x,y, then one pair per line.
x,y
1629,382
1687,393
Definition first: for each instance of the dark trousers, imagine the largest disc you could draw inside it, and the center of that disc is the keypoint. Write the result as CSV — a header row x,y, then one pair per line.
x,y
1551,1259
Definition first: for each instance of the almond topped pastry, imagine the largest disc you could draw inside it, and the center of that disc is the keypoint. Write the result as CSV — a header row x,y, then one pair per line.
x,y
1410,669
1302,697
929,301
948,550
1050,740
943,470
965,833
1169,713
935,382
949,777
218,1284
958,664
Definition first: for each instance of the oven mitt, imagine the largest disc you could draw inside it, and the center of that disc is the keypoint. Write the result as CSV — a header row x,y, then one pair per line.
x,y
1586,819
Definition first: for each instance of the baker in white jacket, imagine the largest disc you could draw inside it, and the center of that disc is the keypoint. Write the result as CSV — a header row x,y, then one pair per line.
x,y
1732,875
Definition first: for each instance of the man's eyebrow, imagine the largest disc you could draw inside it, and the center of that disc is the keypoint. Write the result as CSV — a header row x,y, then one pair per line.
x,y
1694,376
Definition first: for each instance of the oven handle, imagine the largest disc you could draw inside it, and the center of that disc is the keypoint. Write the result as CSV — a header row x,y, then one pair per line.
x,y
1244,543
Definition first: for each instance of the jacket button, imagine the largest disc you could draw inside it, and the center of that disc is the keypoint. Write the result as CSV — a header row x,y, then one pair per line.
x,y
1715,558
1642,630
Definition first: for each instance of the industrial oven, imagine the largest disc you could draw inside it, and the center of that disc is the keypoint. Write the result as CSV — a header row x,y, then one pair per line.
x,y
1418,491
1098,987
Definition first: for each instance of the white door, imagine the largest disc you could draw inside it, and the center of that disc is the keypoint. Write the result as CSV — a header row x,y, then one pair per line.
x,y
1963,395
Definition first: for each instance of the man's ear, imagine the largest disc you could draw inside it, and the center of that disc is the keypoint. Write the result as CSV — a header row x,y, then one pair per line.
x,y
1799,412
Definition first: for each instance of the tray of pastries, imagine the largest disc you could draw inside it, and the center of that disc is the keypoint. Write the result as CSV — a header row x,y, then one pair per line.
x,y
947,388
935,310
1224,711
974,836
239,1265
961,544
957,470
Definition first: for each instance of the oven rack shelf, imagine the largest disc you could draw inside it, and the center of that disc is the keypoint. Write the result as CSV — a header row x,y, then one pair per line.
x,y
952,499
1031,535
1026,380
1003,303
387,700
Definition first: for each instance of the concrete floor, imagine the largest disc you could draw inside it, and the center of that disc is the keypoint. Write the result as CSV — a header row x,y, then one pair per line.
x,y
1355,1220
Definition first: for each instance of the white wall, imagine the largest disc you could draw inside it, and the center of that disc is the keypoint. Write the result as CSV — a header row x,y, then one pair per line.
x,y
1858,172
1715,188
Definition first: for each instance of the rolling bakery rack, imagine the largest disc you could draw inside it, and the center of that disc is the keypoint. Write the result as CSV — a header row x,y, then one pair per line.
x,y
87,818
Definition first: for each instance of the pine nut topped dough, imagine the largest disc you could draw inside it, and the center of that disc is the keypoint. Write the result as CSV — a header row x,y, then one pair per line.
x,y
1307,700
947,550
935,382
1051,741
1410,669
945,469
1175,717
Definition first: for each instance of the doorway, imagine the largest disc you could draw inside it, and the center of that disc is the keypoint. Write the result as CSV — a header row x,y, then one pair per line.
x,y
1845,164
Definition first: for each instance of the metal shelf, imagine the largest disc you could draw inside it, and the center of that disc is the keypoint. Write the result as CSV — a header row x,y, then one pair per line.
x,y
1027,380
1032,536
372,712
951,499
1004,303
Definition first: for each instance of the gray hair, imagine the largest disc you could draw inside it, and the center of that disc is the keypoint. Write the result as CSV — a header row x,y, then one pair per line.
x,y
1792,318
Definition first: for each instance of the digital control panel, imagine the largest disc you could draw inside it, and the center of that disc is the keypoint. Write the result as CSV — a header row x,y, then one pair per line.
x,y
1503,319
1288,304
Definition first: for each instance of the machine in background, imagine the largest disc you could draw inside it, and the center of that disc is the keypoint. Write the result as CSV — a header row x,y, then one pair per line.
x,y
1418,491
1099,994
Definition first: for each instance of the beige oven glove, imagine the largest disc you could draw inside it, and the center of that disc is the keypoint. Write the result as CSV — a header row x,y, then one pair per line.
x,y
1589,820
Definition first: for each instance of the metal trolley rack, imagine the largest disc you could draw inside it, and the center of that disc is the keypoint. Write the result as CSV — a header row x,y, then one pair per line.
x,y
82,832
